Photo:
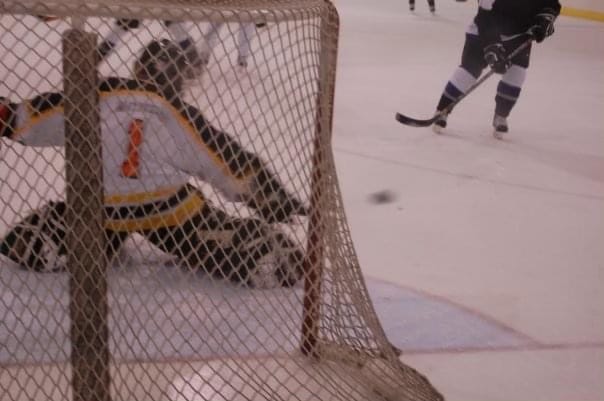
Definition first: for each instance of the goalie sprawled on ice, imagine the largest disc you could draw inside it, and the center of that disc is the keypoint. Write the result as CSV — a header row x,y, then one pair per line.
x,y
153,144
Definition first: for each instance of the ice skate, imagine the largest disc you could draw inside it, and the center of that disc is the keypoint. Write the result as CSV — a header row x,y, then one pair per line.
x,y
242,62
440,124
500,126
281,266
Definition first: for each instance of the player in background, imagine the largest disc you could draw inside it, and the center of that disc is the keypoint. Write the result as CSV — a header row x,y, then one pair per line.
x,y
431,5
246,33
153,144
176,29
498,28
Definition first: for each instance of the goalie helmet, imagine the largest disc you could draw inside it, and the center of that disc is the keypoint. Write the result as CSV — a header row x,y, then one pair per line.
x,y
162,63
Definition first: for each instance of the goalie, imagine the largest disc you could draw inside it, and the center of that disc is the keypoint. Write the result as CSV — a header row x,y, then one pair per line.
x,y
153,144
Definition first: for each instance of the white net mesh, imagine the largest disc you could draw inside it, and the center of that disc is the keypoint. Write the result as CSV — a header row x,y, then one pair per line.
x,y
171,224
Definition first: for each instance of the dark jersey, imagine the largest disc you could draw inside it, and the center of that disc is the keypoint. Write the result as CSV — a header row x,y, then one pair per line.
x,y
502,19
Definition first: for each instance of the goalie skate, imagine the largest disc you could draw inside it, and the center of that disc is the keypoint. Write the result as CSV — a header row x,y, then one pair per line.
x,y
281,267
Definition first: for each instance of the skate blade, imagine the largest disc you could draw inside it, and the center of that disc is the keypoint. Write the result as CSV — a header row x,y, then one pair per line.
x,y
499,134
437,129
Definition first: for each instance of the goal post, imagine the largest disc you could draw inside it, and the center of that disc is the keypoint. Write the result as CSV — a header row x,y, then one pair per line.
x,y
183,240
86,260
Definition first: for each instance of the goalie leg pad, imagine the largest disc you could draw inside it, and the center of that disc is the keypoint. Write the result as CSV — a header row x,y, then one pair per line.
x,y
251,252
243,250
290,267
37,242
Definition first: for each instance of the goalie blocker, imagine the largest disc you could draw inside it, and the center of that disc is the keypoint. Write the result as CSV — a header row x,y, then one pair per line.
x,y
164,142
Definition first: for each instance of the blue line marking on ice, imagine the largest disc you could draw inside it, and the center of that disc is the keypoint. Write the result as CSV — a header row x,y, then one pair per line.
x,y
417,322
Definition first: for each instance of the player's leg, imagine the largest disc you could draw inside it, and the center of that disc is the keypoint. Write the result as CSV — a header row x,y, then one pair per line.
x,y
509,88
432,6
38,242
412,5
261,255
115,37
244,39
210,40
243,250
464,76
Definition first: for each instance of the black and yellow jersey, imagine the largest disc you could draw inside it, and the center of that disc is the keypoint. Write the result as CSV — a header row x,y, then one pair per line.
x,y
151,148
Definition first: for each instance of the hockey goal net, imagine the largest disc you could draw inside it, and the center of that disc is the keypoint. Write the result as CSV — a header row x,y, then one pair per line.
x,y
121,281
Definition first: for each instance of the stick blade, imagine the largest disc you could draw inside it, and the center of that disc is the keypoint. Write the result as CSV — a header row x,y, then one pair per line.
x,y
412,122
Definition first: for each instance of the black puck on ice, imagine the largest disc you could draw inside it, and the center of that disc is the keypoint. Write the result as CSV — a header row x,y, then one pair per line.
x,y
384,196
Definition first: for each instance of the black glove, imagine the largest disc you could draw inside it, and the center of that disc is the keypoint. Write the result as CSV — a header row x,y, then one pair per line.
x,y
104,48
6,114
543,25
496,57
272,201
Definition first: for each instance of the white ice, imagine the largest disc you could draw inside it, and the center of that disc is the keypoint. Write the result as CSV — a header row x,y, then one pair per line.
x,y
512,230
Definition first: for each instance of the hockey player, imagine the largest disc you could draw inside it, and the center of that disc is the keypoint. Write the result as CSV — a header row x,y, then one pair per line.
x,y
153,143
122,26
244,37
499,27
431,5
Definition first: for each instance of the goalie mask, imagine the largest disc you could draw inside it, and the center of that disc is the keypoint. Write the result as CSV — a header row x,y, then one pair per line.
x,y
162,64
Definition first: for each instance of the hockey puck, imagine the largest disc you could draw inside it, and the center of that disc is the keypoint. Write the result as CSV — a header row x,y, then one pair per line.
x,y
383,196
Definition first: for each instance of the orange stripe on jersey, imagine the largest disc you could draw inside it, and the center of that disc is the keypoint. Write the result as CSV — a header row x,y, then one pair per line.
x,y
185,124
132,162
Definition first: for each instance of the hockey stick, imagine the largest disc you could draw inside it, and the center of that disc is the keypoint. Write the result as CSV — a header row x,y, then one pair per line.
x,y
425,123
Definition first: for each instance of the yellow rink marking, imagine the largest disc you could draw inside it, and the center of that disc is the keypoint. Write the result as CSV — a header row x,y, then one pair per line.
x,y
584,14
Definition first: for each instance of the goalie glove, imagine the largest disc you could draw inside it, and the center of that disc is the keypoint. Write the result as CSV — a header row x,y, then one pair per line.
x,y
272,201
543,25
